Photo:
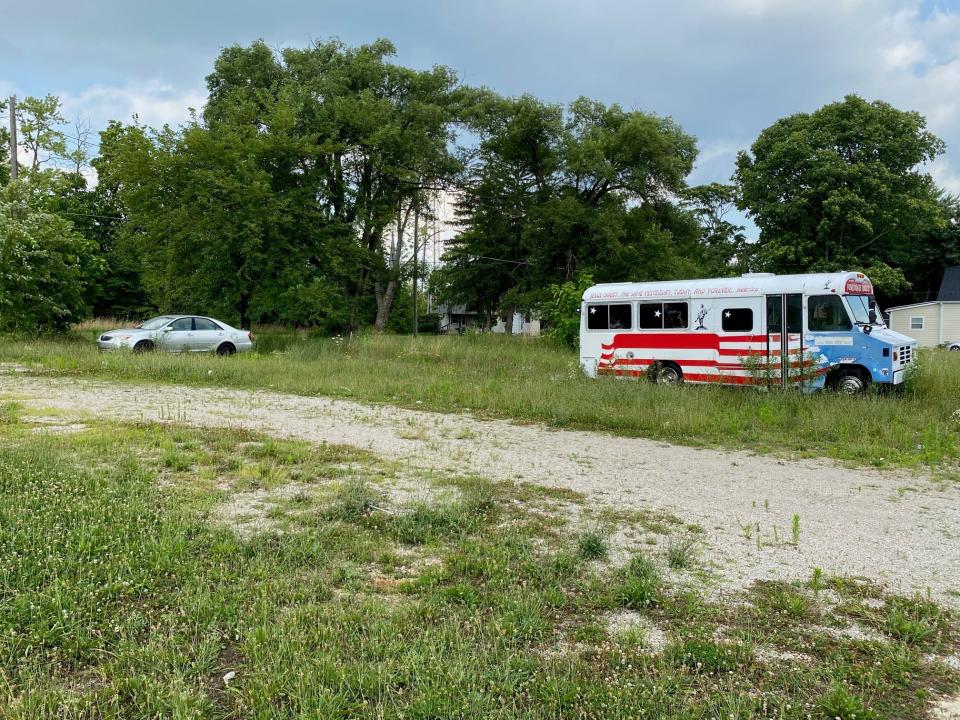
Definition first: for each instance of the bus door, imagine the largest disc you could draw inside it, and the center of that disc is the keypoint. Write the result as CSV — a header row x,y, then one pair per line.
x,y
780,341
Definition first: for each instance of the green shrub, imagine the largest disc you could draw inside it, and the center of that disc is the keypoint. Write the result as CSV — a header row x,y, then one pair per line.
x,y
592,545
640,584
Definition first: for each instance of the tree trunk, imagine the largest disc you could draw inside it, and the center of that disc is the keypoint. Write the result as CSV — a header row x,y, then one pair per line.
x,y
384,303
508,323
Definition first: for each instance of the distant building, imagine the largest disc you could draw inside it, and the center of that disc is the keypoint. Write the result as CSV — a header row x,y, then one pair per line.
x,y
522,325
936,322
458,318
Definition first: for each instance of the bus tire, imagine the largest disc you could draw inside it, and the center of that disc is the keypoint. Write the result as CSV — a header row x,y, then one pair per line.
x,y
849,381
667,373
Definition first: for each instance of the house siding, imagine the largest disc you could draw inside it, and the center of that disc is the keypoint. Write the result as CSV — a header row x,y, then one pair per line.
x,y
936,330
951,322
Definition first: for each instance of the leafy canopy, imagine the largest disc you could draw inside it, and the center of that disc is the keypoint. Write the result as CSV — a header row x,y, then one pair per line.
x,y
840,188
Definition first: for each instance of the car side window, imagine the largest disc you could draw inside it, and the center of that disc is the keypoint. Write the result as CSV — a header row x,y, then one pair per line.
x,y
204,324
183,324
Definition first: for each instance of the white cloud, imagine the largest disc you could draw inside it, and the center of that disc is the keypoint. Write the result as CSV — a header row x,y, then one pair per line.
x,y
154,103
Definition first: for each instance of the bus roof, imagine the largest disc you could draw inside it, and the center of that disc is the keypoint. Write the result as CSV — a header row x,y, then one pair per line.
x,y
750,284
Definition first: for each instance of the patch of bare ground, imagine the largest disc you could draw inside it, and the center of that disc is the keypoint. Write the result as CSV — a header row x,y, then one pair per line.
x,y
44,424
767,654
248,513
847,523
622,622
946,708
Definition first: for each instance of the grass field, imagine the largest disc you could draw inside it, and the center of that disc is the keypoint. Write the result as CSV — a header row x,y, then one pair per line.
x,y
132,587
532,381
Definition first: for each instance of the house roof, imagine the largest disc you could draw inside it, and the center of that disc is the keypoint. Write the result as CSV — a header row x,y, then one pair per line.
x,y
950,287
443,309
923,304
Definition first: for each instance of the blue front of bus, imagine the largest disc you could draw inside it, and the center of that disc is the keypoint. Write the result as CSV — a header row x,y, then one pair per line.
x,y
857,349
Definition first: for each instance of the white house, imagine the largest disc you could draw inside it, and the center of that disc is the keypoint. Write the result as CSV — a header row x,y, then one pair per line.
x,y
936,322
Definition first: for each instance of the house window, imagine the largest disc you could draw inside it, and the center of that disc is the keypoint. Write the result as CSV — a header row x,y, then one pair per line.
x,y
660,316
737,320
826,313
916,323
609,317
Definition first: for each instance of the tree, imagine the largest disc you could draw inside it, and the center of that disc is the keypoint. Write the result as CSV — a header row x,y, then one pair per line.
x,y
4,147
38,123
840,188
295,188
212,232
45,264
723,244
554,193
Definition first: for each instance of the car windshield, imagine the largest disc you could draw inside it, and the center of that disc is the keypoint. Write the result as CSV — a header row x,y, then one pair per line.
x,y
860,307
155,323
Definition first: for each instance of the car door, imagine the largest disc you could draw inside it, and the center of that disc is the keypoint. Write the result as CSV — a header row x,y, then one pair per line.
x,y
178,335
206,334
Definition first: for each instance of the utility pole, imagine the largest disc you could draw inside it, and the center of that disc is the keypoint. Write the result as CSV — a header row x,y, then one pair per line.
x,y
416,238
14,169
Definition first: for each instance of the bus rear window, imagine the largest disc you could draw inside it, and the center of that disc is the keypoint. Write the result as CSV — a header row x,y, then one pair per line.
x,y
609,317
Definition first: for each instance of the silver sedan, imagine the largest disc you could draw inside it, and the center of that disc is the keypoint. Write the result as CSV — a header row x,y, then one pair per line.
x,y
179,333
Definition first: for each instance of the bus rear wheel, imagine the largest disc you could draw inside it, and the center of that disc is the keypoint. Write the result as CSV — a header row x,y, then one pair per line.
x,y
667,374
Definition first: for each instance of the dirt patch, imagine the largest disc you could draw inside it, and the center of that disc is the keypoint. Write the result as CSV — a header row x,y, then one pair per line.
x,y
46,425
248,513
626,621
853,631
7,368
946,708
766,653
849,525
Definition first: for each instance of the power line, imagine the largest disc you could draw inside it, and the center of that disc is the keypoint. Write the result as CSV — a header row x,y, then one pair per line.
x,y
500,260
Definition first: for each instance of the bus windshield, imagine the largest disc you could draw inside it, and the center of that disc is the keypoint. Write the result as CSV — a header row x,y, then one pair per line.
x,y
860,307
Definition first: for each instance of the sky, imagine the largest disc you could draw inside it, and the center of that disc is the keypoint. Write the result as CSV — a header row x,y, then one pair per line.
x,y
724,69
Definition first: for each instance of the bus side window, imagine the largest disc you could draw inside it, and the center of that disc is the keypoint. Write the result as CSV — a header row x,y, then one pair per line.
x,y
675,315
774,314
826,313
657,316
737,320
597,317
609,317
620,317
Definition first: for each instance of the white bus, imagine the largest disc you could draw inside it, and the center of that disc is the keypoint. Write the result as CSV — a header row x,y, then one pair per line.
x,y
817,329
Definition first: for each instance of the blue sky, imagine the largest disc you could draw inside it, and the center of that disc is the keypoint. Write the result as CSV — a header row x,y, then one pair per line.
x,y
724,69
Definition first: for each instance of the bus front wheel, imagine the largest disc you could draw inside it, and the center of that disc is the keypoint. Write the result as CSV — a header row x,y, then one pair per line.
x,y
849,382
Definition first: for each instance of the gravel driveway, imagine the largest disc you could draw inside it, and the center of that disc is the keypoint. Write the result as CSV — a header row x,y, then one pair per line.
x,y
895,526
